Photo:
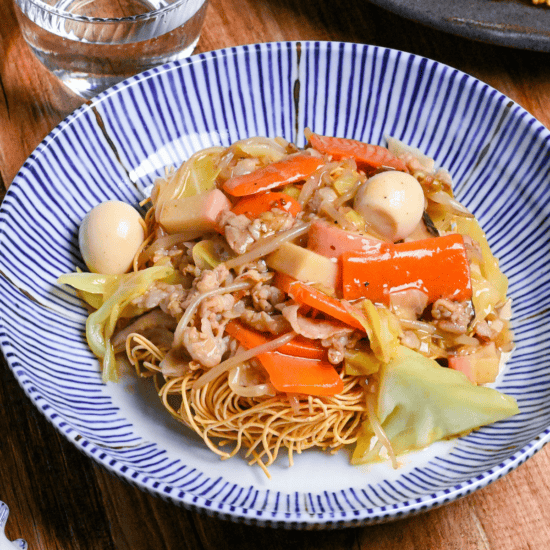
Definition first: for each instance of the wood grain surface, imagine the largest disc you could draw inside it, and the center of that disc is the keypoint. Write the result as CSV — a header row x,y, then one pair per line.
x,y
60,500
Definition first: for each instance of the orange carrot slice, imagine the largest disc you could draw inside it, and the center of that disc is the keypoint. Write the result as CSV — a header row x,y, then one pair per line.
x,y
297,367
310,296
366,156
298,347
437,266
276,174
301,374
255,205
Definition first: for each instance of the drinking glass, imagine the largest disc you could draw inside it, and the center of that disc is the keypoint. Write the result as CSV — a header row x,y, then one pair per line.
x,y
91,45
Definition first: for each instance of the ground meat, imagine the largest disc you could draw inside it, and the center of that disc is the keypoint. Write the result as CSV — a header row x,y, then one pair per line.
x,y
414,164
218,310
168,297
175,255
262,321
266,297
338,343
313,328
156,325
410,340
271,222
488,330
245,166
208,280
190,269
483,330
444,177
452,316
211,279
324,194
240,232
409,303
204,346
473,249
256,272
236,231
216,305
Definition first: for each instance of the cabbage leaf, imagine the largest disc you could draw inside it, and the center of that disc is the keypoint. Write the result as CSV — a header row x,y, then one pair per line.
x,y
486,298
195,176
419,402
382,329
117,293
489,265
93,288
361,363
96,288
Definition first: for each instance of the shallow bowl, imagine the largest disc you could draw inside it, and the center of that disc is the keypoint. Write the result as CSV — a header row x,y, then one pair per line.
x,y
117,144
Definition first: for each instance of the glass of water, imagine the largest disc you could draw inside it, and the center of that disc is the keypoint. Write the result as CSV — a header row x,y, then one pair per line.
x,y
91,45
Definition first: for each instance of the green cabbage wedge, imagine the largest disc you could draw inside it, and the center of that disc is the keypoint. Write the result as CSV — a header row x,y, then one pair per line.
x,y
419,402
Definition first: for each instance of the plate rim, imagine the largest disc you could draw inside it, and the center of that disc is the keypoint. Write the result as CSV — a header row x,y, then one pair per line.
x,y
489,32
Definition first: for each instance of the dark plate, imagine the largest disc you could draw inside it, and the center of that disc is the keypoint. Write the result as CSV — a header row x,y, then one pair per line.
x,y
512,23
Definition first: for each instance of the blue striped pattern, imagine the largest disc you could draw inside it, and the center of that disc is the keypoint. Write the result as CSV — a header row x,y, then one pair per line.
x,y
498,155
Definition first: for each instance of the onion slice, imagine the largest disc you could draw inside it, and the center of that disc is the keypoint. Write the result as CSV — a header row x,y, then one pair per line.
x,y
446,200
237,373
184,321
377,427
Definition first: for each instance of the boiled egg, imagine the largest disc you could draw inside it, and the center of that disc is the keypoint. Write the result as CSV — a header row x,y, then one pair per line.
x,y
109,237
392,204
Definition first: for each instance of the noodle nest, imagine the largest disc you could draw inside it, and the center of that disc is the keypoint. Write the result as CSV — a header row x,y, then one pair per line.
x,y
261,427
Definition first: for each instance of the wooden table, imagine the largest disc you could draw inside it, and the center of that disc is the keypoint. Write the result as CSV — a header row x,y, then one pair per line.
x,y
60,499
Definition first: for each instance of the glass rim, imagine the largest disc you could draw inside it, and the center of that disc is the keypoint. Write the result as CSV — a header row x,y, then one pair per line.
x,y
87,19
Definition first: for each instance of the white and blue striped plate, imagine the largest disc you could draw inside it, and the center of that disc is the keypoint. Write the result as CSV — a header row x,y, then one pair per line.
x,y
115,146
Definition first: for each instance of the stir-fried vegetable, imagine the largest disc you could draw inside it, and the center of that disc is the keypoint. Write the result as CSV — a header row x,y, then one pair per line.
x,y
310,296
361,363
489,264
93,288
419,402
366,156
439,267
101,324
195,176
198,212
298,346
382,329
305,265
302,375
331,241
317,297
272,176
481,366
296,367
255,205
205,255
